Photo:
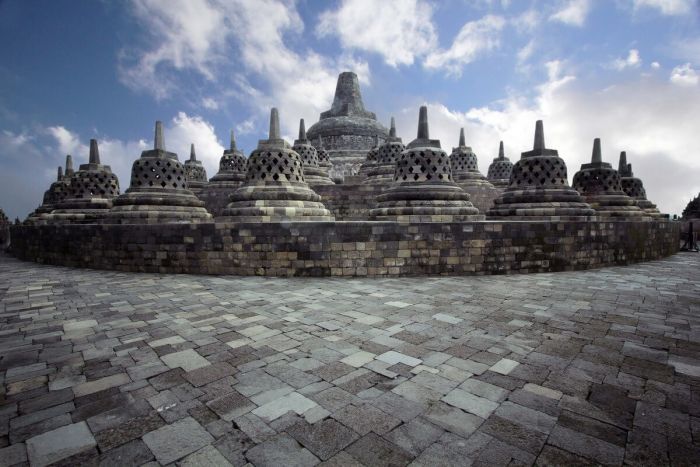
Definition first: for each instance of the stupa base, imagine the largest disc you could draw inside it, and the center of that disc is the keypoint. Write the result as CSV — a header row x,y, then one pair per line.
x,y
616,206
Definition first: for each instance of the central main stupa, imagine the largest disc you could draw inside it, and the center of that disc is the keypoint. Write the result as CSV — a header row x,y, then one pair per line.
x,y
347,129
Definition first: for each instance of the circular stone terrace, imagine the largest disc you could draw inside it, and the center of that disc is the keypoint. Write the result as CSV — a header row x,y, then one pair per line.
x,y
574,368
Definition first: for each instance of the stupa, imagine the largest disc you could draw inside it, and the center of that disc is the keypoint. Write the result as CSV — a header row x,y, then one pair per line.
x,y
54,195
158,192
388,153
465,167
539,188
348,130
500,169
89,194
600,186
423,189
275,189
231,175
634,188
370,160
195,173
692,209
309,159
324,160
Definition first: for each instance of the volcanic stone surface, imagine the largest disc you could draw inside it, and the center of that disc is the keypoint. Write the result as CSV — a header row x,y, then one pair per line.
x,y
313,173
383,170
590,367
231,174
500,169
195,173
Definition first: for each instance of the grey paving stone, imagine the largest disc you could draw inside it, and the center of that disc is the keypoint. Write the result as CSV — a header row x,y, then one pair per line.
x,y
373,450
415,436
586,446
281,450
133,453
12,455
364,418
172,442
325,439
59,444
453,419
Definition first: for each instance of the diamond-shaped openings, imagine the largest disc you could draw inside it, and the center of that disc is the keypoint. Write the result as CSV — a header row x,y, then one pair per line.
x,y
93,184
308,155
165,174
463,161
539,172
423,166
195,173
599,180
274,166
389,153
232,163
633,188
500,170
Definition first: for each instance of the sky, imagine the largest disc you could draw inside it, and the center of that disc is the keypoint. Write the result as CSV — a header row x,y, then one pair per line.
x,y
626,71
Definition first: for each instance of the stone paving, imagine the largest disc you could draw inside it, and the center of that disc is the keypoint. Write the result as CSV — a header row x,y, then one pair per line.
x,y
107,368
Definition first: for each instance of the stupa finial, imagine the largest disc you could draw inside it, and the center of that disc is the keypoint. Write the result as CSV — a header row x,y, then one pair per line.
x,y
501,152
596,156
94,152
232,144
392,128
302,130
193,155
69,165
423,132
60,174
274,124
539,136
622,165
462,139
158,139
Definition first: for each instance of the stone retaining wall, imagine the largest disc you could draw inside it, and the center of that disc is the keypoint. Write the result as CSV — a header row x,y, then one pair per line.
x,y
348,248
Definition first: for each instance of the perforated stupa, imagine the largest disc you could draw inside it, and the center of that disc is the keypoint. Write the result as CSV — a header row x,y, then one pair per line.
x,y
634,188
158,191
388,153
231,175
539,187
370,160
464,164
55,194
423,189
195,173
500,169
600,186
275,189
313,174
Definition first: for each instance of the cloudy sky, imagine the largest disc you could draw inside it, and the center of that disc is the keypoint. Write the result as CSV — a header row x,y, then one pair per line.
x,y
627,71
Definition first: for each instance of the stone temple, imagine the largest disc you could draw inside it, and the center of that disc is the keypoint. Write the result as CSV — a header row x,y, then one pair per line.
x,y
347,128
412,209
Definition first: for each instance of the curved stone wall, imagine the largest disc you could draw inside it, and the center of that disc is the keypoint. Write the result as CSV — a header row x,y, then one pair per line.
x,y
348,248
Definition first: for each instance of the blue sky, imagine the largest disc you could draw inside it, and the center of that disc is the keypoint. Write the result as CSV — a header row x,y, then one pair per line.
x,y
626,71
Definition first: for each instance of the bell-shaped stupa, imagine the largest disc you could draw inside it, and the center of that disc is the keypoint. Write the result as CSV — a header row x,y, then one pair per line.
x,y
55,194
324,160
275,189
423,189
90,193
309,159
347,128
370,160
231,175
195,173
158,192
692,209
600,186
500,169
539,188
465,167
388,153
634,188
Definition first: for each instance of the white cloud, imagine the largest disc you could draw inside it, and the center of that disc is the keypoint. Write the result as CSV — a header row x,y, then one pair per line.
x,y
68,142
573,13
655,131
210,103
474,39
655,65
666,7
527,21
526,52
633,60
685,75
183,130
246,126
399,30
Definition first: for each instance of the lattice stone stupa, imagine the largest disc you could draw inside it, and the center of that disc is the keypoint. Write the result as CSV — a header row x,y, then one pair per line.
x,y
231,175
382,172
275,189
634,188
313,174
158,191
195,173
538,187
423,189
500,169
600,186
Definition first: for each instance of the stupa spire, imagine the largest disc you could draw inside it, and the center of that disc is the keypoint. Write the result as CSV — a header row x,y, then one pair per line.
x,y
193,155
501,152
622,165
348,99
462,139
69,166
392,128
423,131
302,130
232,144
94,152
539,136
59,176
274,124
596,157
158,138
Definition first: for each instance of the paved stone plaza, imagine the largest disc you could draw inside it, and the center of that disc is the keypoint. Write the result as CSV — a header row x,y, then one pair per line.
x,y
599,366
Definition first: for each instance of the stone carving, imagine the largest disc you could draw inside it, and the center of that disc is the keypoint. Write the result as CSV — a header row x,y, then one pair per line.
x,y
539,188
158,191
388,153
275,189
195,174
634,188
423,189
347,128
464,164
500,169
55,194
600,186
324,160
309,159
371,160
692,209
231,174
